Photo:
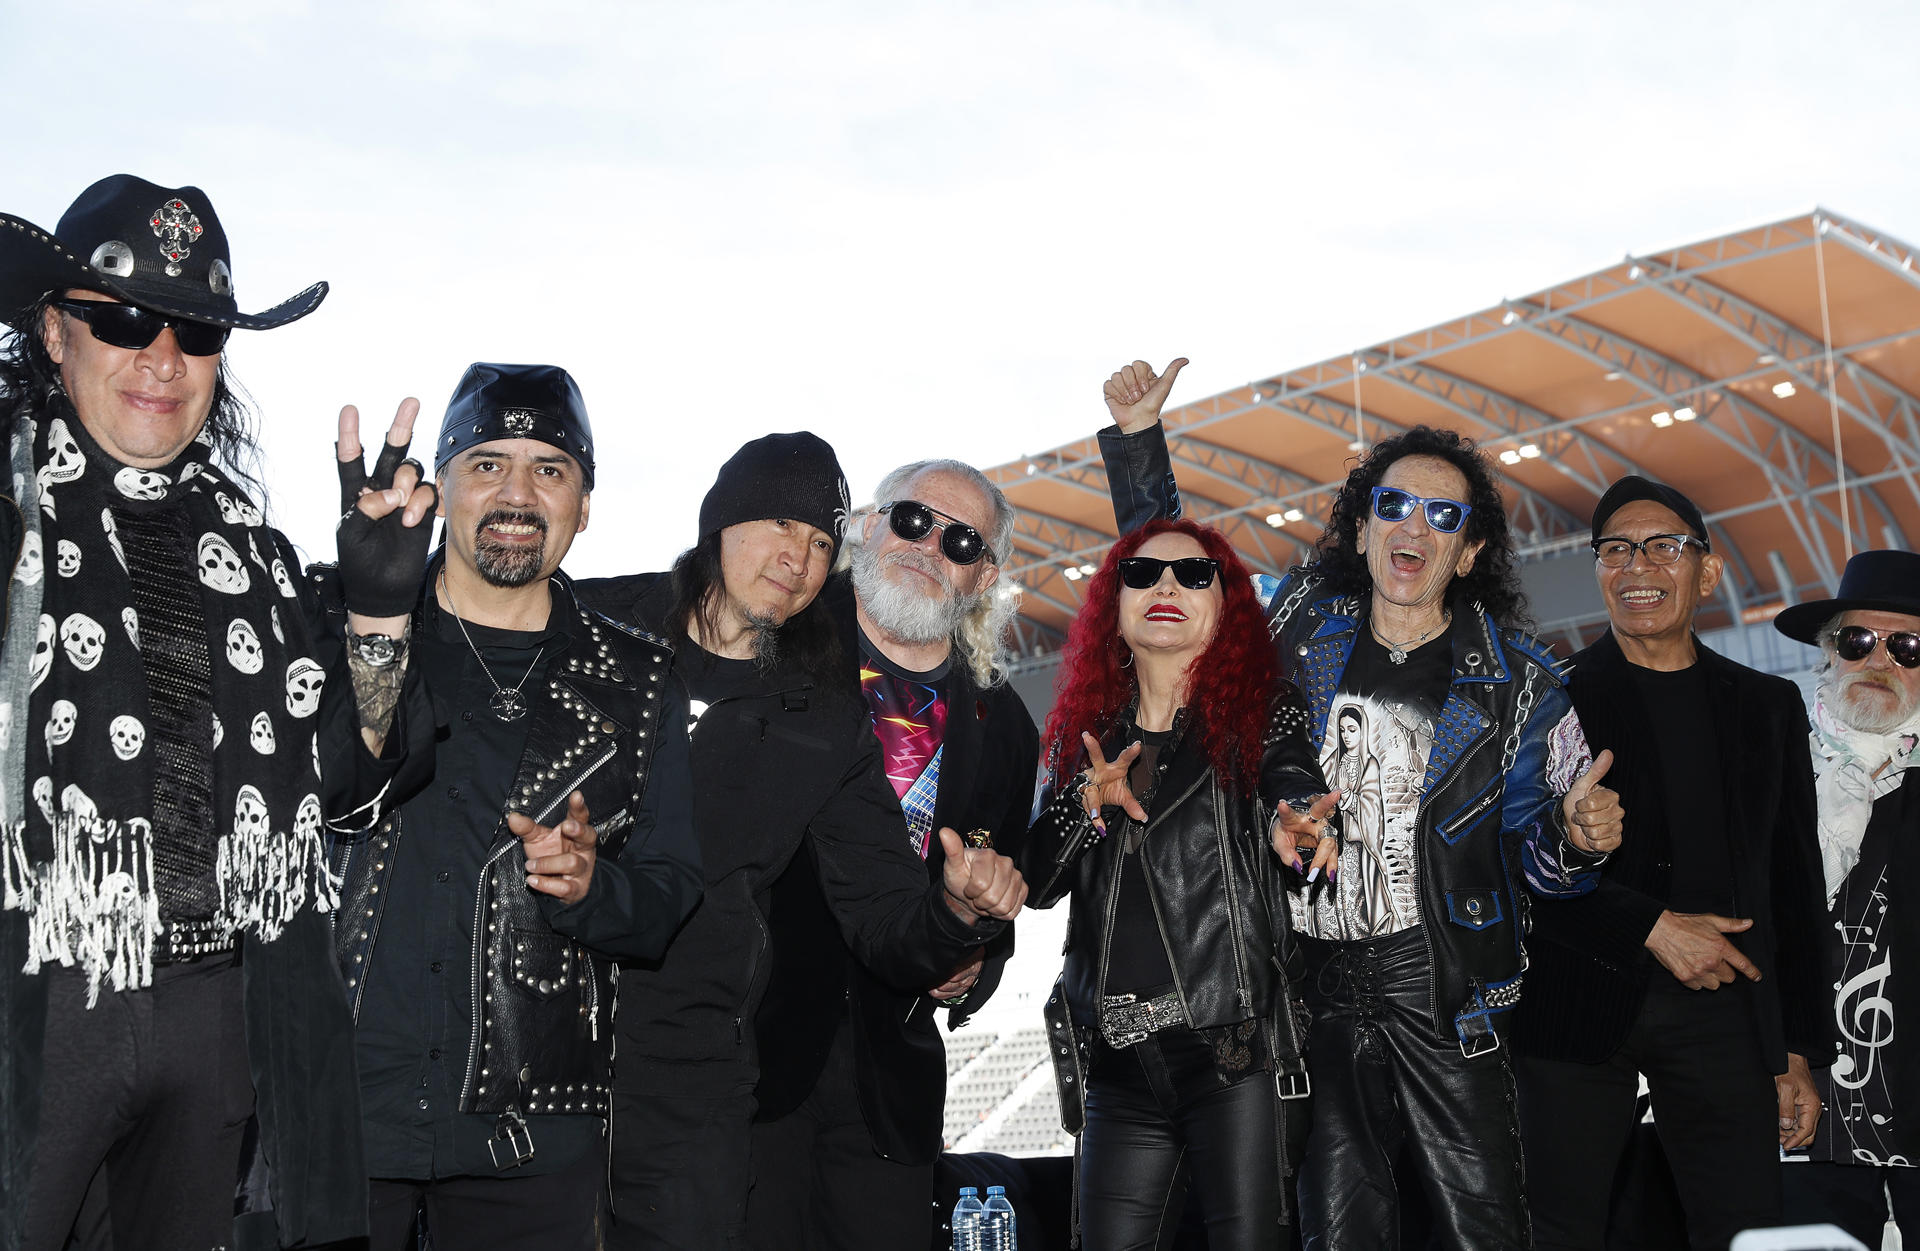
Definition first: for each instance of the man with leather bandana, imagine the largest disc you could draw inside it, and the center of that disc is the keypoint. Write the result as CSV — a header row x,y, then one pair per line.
x,y
175,1036
550,838
784,755
1694,965
1405,633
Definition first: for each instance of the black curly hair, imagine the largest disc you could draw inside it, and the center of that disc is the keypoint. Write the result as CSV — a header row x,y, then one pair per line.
x,y
27,371
1494,580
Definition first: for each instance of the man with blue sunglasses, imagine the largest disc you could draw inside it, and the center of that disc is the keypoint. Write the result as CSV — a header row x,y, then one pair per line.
x,y
1463,778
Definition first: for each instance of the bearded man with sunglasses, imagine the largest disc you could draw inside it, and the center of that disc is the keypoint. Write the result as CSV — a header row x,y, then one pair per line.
x,y
1478,779
784,757
853,1075
1695,961
166,992
1866,724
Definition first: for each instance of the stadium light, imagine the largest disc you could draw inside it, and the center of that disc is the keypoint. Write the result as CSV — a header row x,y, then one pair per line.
x,y
1276,520
1294,514
1074,574
1783,389
1683,413
1509,457
1529,450
1662,419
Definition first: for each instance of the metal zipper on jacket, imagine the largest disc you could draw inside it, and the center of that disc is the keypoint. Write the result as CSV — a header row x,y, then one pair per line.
x,y
574,785
1420,867
1153,901
479,971
753,970
1233,901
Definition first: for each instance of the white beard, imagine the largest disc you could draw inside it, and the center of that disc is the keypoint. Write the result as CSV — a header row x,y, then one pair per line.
x,y
910,615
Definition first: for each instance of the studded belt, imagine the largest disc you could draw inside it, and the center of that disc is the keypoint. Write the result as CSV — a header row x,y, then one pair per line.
x,y
1128,1019
184,941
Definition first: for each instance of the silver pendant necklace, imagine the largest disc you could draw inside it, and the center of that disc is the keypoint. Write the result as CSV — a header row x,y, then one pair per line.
x,y
507,703
1397,652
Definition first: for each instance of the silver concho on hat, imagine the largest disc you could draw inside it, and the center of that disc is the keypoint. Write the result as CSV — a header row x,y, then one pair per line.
x,y
114,259
518,422
178,229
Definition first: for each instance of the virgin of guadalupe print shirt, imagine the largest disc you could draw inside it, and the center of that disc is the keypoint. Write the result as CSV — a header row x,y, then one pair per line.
x,y
1379,732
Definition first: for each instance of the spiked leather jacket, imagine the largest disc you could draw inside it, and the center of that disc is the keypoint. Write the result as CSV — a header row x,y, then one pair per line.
x,y
606,719
1506,748
1215,884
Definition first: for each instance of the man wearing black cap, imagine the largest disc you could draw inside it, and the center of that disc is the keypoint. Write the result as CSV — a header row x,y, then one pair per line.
x,y
1866,724
551,837
783,752
164,974
1693,963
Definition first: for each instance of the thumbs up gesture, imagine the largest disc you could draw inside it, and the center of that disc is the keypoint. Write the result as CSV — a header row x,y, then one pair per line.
x,y
1135,394
1593,812
980,881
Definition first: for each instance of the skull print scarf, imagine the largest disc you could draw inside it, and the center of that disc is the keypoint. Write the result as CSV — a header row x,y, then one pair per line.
x,y
168,723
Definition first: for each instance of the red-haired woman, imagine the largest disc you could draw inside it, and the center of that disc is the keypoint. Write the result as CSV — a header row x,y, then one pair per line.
x,y
1174,1019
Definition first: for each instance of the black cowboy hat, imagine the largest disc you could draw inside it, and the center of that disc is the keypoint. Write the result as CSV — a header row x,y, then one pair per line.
x,y
159,247
1883,581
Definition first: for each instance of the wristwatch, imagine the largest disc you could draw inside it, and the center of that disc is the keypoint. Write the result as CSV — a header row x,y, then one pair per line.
x,y
376,650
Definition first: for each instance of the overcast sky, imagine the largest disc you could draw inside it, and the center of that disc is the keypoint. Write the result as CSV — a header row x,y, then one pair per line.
x,y
919,229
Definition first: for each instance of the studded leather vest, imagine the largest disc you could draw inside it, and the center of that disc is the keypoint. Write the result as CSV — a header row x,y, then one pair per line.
x,y
542,1040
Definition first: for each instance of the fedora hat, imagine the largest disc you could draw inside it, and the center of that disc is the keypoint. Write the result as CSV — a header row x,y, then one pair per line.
x,y
1882,581
159,247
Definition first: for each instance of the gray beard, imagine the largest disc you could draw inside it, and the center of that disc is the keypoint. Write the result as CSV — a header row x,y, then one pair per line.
x,y
1861,712
766,640
908,615
507,566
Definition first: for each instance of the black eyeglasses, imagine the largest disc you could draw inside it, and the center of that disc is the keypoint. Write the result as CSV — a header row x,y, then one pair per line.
x,y
1196,573
1393,504
135,328
1661,549
959,542
1858,642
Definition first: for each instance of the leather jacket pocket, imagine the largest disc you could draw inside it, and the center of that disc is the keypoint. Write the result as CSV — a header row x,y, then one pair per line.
x,y
1474,909
542,962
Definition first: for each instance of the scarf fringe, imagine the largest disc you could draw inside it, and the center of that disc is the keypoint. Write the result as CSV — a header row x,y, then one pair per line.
x,y
93,905
266,879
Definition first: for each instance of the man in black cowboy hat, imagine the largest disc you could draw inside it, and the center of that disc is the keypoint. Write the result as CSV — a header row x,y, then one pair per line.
x,y
164,972
552,836
1866,722
783,755
1692,963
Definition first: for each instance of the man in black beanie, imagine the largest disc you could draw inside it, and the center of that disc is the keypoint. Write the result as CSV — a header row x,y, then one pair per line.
x,y
1693,962
783,752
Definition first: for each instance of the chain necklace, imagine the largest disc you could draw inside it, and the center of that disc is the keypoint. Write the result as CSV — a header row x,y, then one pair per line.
x,y
507,703
1397,652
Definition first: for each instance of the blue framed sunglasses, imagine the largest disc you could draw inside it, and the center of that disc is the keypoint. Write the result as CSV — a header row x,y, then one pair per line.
x,y
1393,504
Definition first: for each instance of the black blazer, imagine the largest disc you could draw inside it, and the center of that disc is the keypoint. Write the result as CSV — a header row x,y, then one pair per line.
x,y
987,766
1589,962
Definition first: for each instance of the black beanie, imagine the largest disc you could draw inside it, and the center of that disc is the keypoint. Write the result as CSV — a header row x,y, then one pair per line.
x,y
1634,487
794,476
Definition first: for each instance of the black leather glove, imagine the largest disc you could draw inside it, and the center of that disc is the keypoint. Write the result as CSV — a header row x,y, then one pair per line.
x,y
382,562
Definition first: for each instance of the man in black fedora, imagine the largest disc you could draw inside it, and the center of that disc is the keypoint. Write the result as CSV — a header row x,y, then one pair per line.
x,y
1691,963
552,837
169,1014
1866,722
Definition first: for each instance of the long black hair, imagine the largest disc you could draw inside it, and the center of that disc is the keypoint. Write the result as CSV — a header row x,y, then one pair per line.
x,y
27,372
807,641
1494,580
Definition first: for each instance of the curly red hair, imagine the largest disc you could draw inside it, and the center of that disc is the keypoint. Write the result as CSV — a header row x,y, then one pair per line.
x,y
1228,684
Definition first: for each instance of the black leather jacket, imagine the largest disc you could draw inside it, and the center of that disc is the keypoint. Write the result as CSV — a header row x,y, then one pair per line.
x,y
1216,885
1506,748
544,973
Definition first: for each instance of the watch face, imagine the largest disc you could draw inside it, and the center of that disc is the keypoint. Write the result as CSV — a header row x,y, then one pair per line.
x,y
375,649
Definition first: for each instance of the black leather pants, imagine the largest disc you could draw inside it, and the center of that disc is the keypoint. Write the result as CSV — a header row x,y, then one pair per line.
x,y
1158,1105
1382,1083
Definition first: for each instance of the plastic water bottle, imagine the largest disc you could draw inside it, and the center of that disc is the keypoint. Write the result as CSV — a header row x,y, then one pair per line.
x,y
998,1225
969,1219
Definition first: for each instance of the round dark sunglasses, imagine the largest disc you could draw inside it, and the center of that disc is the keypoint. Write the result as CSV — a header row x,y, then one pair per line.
x,y
135,328
959,542
1857,643
1196,573
1393,504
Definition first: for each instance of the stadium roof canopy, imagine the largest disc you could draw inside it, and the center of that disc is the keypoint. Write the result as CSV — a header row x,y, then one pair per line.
x,y
1732,368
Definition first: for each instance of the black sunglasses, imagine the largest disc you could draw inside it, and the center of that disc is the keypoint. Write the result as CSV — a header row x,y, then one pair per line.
x,y
135,328
1393,504
1858,642
959,542
1196,573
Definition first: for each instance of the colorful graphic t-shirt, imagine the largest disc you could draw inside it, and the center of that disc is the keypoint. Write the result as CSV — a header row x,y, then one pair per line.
x,y
910,718
1379,733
